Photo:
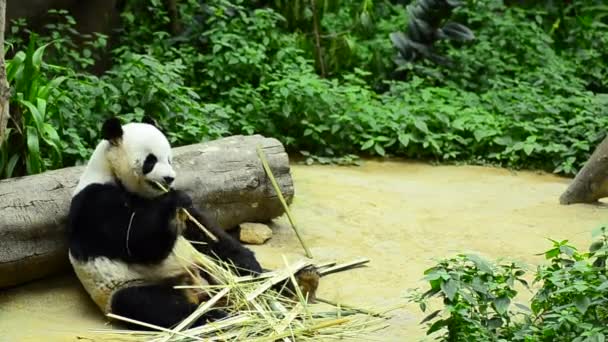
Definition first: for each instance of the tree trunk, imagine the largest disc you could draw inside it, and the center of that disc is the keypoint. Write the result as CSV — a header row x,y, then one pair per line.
x,y
591,182
225,176
5,93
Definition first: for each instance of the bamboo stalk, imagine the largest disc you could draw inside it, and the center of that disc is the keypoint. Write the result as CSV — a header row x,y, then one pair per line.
x,y
191,218
280,276
282,199
318,326
197,313
344,267
348,307
151,326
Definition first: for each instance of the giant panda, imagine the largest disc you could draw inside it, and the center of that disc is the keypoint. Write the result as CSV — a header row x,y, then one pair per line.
x,y
127,243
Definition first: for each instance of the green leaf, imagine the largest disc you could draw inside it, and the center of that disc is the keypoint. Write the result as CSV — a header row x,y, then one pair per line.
x,y
502,304
495,323
602,286
596,246
404,139
368,144
35,114
44,91
421,125
41,106
582,303
597,337
10,167
33,164
379,149
483,265
436,326
430,316
37,57
449,288
14,65
528,149
552,253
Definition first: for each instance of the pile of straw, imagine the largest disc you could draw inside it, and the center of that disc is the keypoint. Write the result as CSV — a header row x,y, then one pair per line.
x,y
259,313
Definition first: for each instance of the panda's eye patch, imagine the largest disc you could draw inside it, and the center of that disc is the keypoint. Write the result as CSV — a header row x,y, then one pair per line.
x,y
149,163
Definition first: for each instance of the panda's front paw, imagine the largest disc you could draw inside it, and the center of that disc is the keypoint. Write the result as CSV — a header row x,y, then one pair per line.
x,y
249,266
177,199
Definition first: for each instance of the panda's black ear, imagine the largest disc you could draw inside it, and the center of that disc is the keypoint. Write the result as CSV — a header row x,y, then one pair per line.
x,y
149,120
112,130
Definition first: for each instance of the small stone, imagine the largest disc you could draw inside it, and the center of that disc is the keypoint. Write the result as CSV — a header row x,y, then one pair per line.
x,y
254,233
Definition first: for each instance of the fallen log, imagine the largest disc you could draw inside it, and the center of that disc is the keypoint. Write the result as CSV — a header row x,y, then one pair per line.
x,y
224,176
591,182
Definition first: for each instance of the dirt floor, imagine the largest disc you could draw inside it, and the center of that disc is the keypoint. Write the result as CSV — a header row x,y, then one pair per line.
x,y
400,215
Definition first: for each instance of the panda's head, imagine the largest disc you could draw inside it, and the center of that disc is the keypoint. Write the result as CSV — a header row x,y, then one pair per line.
x,y
139,156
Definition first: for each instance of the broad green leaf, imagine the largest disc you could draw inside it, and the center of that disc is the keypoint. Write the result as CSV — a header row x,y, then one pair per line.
x,y
483,265
368,144
37,57
421,125
41,106
45,90
33,162
14,65
528,149
10,167
603,286
379,149
502,304
449,288
35,114
495,322
436,326
404,139
582,303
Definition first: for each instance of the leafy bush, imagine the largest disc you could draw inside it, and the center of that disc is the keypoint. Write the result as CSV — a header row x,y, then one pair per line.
x,y
478,297
139,85
32,145
518,97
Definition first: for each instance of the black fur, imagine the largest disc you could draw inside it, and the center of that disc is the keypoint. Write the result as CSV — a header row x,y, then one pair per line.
x,y
112,130
160,305
99,220
149,164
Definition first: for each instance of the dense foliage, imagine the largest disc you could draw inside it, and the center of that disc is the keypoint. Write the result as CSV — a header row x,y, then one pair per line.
x,y
570,303
322,77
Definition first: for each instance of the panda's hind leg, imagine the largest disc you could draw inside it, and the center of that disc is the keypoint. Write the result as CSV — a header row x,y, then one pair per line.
x,y
158,304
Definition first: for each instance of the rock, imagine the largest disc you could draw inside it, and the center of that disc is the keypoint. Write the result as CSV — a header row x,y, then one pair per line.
x,y
254,233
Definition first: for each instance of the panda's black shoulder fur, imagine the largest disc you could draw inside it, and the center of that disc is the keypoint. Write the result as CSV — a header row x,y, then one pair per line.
x,y
106,220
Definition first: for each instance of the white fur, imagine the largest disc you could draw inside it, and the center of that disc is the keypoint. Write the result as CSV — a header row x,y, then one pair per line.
x,y
125,160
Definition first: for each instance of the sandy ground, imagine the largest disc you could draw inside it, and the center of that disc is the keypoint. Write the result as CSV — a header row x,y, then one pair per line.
x,y
400,215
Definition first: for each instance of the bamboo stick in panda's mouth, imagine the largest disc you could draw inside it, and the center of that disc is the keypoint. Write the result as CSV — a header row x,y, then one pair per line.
x,y
190,217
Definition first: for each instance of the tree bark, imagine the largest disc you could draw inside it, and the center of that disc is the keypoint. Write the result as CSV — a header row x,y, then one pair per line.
x,y
591,182
224,176
4,88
